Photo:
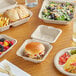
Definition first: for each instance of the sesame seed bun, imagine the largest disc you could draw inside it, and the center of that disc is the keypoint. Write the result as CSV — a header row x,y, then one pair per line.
x,y
34,48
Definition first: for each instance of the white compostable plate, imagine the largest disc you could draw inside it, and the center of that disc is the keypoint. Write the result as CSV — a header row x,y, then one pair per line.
x,y
56,61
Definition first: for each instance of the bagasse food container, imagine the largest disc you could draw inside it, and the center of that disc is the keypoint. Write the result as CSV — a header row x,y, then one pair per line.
x,y
10,39
45,35
46,2
56,61
9,4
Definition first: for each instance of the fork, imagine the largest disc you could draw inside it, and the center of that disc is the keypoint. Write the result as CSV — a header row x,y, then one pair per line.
x,y
8,69
3,71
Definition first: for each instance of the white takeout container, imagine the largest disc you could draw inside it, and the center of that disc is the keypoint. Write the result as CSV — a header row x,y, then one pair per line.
x,y
39,36
46,2
56,61
10,39
9,4
48,48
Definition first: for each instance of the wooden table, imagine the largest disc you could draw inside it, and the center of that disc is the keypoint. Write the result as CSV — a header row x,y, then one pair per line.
x,y
24,31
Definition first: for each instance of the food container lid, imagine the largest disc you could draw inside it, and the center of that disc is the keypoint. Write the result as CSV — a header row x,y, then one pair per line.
x,y
46,33
7,4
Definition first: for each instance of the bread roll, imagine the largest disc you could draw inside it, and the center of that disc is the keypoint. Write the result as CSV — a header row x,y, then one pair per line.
x,y
34,49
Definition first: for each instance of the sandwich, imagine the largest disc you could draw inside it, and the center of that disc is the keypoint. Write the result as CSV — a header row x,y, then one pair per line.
x,y
22,11
34,50
12,15
17,13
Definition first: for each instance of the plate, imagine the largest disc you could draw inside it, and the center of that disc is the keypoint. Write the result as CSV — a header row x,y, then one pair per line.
x,y
56,61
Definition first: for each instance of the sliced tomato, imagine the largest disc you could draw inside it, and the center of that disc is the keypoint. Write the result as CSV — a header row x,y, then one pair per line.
x,y
40,53
62,59
61,63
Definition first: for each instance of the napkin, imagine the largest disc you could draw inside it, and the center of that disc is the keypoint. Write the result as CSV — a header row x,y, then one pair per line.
x,y
16,71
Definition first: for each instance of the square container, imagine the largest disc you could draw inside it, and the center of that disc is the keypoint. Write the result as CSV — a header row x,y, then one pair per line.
x,y
46,2
48,48
9,4
10,39
42,30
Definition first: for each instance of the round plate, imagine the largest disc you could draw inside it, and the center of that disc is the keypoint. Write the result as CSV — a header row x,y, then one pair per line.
x,y
56,61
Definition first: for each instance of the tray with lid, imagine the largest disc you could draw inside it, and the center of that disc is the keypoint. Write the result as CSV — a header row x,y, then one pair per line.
x,y
59,18
45,35
8,5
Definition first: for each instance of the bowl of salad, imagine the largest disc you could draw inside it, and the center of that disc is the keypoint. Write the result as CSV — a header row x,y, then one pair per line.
x,y
57,12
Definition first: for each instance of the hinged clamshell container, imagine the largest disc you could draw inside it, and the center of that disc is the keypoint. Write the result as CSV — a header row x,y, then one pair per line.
x,y
46,2
9,4
45,35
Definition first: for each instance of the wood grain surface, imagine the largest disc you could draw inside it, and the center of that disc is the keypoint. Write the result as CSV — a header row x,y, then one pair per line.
x,y
24,31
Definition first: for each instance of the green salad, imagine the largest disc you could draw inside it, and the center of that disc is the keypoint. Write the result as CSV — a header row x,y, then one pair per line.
x,y
58,11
